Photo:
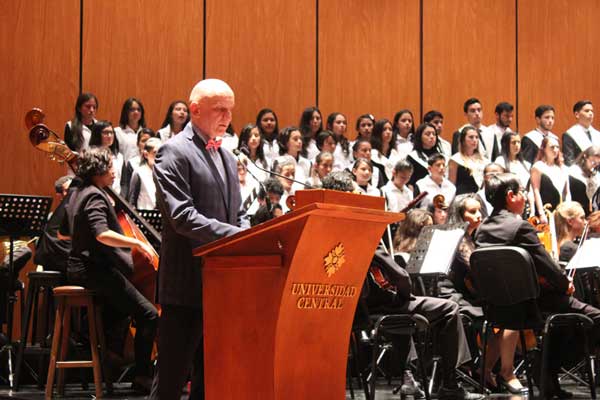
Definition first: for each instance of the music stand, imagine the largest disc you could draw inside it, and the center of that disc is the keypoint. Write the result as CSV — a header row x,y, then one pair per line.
x,y
20,215
443,250
153,217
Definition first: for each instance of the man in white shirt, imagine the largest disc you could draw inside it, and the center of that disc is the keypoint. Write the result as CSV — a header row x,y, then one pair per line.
x,y
581,135
504,117
487,141
397,194
436,182
544,119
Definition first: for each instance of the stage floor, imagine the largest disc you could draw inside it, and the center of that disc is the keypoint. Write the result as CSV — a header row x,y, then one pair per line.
x,y
123,391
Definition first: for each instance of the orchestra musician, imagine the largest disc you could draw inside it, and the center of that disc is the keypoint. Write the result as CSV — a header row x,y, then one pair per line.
x,y
100,257
442,314
505,227
198,194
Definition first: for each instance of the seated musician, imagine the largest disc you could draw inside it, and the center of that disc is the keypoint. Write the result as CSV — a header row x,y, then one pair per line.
x,y
442,314
505,227
569,219
51,252
458,287
100,258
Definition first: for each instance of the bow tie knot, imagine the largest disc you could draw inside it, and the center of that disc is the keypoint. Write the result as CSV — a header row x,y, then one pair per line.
x,y
213,144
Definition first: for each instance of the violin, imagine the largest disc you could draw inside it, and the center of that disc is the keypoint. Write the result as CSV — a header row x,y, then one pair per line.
x,y
145,271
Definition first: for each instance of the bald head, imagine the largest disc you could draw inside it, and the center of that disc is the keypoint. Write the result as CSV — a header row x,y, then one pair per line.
x,y
211,105
209,88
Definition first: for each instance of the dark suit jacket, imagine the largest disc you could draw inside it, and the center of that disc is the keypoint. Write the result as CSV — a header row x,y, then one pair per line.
x,y
507,229
196,208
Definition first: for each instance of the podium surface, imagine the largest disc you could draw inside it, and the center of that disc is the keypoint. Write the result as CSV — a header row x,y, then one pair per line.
x,y
279,299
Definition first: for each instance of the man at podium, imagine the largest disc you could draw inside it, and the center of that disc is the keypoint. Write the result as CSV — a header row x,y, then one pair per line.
x,y
199,197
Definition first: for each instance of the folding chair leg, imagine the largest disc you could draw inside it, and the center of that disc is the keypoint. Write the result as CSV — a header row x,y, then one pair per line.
x,y
484,338
527,364
589,362
545,351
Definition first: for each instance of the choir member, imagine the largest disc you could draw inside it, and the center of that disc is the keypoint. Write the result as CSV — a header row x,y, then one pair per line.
x,y
79,130
176,119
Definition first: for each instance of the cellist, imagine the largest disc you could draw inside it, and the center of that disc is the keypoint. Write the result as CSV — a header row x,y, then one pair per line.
x,y
100,258
505,227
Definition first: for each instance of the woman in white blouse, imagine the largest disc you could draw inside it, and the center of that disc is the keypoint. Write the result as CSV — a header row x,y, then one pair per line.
x,y
103,135
131,122
176,119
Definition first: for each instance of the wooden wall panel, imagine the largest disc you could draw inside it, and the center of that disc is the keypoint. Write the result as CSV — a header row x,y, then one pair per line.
x,y
40,59
559,58
468,51
368,58
265,50
147,49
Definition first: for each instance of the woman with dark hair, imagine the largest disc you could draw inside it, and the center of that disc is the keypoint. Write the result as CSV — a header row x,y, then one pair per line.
x,y
465,168
251,141
290,143
338,125
364,127
268,125
425,145
79,129
131,122
325,142
362,171
404,130
100,257
383,144
362,149
142,193
311,124
103,135
584,179
176,119
511,158
549,178
135,162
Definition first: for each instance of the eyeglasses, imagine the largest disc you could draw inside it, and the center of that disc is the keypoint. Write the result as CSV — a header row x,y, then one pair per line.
x,y
108,133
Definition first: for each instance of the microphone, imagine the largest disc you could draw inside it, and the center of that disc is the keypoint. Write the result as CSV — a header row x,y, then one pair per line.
x,y
238,155
245,151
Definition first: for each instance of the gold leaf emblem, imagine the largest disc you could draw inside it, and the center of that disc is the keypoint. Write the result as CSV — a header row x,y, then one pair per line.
x,y
334,260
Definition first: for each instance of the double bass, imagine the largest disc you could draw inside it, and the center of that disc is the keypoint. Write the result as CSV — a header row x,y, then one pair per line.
x,y
145,271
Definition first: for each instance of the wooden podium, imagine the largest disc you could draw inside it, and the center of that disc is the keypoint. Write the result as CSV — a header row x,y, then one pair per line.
x,y
279,299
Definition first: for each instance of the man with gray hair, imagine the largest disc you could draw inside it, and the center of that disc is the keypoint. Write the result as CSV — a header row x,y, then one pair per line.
x,y
198,194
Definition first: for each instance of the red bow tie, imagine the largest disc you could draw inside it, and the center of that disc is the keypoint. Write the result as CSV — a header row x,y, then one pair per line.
x,y
213,144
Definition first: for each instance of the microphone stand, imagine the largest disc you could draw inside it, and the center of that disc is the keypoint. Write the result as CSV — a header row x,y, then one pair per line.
x,y
245,152
262,186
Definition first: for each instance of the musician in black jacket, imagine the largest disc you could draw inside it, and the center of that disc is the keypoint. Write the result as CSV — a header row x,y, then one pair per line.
x,y
442,314
506,228
100,257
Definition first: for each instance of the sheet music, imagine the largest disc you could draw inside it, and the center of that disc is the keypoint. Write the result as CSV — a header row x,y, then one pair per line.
x,y
588,255
441,251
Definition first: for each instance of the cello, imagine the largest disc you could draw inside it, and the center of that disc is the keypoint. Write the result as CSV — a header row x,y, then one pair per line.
x,y
145,271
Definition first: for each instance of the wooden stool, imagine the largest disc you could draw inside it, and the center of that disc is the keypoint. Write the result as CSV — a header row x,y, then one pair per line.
x,y
45,280
67,298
